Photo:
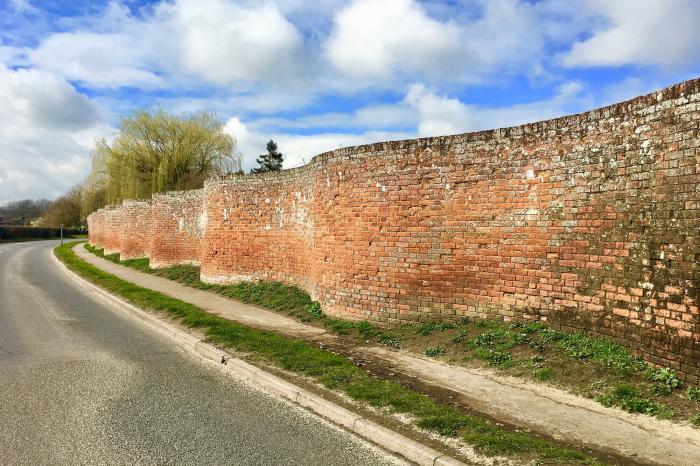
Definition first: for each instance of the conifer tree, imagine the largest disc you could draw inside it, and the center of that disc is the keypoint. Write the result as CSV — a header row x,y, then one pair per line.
x,y
270,162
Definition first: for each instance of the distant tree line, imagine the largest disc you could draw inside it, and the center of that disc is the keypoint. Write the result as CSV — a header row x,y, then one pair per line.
x,y
44,213
23,212
19,232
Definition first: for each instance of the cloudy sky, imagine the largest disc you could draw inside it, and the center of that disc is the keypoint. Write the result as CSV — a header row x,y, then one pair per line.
x,y
317,75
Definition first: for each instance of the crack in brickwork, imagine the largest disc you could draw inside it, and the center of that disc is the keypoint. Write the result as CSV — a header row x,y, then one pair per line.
x,y
589,222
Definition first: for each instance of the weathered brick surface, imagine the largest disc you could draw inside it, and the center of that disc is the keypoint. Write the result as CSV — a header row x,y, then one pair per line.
x,y
176,228
96,228
261,227
112,232
588,222
135,229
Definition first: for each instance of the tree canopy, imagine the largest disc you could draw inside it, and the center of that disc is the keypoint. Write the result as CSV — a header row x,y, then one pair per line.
x,y
271,161
156,152
64,211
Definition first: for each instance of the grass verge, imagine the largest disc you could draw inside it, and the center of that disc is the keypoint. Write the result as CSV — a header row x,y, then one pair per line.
x,y
333,371
594,367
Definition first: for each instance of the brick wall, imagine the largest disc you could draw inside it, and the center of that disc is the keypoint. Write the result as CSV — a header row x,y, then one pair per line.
x,y
112,233
96,228
176,228
260,227
587,222
136,229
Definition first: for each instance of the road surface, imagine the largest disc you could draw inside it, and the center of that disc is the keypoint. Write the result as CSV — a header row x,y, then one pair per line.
x,y
82,384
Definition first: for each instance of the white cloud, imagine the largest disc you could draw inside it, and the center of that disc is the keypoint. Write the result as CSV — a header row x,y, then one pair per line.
x,y
298,149
16,55
640,32
627,88
108,60
428,113
369,117
177,44
382,41
22,6
33,97
292,66
222,42
440,115
46,132
375,39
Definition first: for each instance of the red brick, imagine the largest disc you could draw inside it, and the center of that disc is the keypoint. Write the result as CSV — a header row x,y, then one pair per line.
x,y
577,221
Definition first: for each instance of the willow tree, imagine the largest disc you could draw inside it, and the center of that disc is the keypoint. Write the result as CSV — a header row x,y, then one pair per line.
x,y
93,195
156,152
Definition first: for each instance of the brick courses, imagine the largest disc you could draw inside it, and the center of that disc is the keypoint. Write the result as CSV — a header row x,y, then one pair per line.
x,y
135,229
176,228
589,222
112,232
95,223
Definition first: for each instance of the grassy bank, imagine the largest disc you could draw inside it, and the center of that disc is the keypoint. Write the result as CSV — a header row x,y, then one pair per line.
x,y
333,371
589,366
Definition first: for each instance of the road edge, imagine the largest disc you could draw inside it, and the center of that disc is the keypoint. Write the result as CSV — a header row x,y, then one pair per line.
x,y
365,428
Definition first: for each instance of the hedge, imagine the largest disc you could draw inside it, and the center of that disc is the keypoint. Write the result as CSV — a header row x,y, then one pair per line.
x,y
21,232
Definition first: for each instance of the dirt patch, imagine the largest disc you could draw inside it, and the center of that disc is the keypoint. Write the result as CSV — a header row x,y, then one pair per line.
x,y
383,369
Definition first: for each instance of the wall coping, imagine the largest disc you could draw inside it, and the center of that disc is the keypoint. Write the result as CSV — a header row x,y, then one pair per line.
x,y
441,142
136,202
444,142
172,194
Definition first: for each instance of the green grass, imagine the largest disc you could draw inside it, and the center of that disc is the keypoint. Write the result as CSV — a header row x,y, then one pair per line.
x,y
695,420
502,337
665,381
428,328
693,393
630,399
272,295
496,343
543,374
333,371
434,351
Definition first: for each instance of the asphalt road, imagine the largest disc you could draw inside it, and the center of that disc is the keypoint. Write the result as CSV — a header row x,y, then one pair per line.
x,y
81,384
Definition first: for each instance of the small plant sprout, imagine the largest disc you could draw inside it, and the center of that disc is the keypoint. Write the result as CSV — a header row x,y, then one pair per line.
x,y
693,393
434,351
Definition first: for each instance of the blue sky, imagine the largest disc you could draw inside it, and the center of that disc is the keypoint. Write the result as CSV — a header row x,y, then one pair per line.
x,y
317,75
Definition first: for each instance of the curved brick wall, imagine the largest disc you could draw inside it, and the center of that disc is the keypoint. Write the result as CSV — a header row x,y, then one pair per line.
x,y
588,222
176,228
112,235
261,227
96,228
135,229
